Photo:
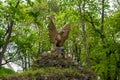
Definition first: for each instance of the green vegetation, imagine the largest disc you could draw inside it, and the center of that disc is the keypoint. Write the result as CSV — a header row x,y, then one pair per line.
x,y
51,73
94,39
5,72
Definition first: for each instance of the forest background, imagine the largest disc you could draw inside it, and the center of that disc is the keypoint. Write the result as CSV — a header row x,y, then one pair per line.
x,y
94,39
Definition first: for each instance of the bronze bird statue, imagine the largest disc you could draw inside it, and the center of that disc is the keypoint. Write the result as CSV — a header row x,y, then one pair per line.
x,y
57,38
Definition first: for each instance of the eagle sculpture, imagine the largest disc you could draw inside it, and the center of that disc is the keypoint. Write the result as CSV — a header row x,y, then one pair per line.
x,y
57,38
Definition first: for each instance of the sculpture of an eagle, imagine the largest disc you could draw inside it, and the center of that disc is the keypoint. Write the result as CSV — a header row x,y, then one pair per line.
x,y
58,38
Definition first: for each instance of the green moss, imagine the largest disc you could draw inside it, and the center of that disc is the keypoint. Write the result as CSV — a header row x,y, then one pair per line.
x,y
52,70
48,72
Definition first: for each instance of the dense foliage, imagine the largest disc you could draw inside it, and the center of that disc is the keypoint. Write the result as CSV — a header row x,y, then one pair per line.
x,y
94,39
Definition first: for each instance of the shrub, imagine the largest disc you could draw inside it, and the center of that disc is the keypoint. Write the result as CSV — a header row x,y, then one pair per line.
x,y
5,71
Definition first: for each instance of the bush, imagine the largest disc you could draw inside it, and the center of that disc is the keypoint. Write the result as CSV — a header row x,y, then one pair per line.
x,y
5,71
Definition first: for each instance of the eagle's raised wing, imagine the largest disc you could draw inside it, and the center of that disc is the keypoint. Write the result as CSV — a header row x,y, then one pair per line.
x,y
64,33
52,31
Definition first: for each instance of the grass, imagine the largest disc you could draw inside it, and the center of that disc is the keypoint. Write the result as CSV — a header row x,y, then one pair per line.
x,y
6,71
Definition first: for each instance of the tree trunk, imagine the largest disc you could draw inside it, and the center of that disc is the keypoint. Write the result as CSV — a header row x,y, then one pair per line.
x,y
25,62
1,56
82,13
29,60
10,25
102,22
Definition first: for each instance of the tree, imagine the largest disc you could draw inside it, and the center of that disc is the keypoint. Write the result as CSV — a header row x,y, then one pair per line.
x,y
82,15
9,31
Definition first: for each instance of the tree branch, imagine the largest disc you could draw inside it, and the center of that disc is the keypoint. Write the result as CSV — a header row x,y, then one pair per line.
x,y
6,61
9,60
8,37
17,4
91,21
10,25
